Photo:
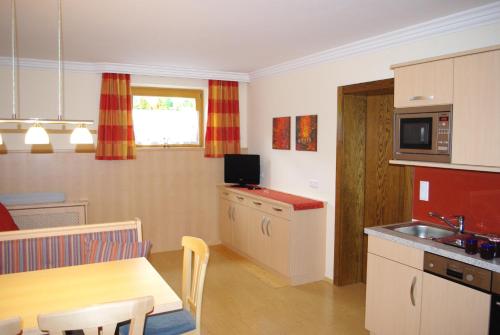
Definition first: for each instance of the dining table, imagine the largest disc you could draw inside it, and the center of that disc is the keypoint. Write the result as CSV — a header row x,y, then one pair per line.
x,y
28,294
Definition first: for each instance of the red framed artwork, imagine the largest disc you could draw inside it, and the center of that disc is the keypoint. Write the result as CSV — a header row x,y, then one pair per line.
x,y
281,133
306,133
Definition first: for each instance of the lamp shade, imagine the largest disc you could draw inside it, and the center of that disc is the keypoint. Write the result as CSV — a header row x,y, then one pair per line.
x,y
36,135
81,135
1,139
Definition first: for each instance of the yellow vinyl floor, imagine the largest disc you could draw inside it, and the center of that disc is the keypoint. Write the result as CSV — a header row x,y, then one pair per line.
x,y
242,298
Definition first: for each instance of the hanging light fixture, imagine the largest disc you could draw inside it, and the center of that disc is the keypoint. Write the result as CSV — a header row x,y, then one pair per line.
x,y
36,134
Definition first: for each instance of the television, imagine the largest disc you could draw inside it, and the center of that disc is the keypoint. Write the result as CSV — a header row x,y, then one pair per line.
x,y
243,170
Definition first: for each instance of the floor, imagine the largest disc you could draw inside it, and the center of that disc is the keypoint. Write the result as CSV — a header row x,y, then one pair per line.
x,y
242,298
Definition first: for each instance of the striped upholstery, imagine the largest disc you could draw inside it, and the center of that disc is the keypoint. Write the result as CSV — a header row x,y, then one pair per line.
x,y
104,251
54,251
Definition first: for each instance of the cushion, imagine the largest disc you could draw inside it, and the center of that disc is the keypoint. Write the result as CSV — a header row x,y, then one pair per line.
x,y
171,323
6,221
97,251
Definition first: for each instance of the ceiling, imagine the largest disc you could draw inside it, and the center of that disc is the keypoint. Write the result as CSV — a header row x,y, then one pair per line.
x,y
220,35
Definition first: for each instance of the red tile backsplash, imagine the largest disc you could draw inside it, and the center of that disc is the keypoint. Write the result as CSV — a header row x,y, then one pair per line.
x,y
473,194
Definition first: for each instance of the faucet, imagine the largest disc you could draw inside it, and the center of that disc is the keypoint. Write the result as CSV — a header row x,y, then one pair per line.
x,y
459,218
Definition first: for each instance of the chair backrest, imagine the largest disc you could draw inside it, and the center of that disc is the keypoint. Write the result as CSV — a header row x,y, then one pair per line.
x,y
10,326
196,254
107,316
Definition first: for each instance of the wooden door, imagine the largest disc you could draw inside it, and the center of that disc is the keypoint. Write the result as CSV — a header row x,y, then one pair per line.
x,y
369,191
277,244
449,308
476,109
388,188
424,84
393,297
225,222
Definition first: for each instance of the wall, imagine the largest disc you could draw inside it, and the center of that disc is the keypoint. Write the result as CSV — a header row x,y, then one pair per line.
x,y
171,190
476,195
313,90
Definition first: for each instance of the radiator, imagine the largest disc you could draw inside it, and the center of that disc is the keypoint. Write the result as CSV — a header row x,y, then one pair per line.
x,y
49,215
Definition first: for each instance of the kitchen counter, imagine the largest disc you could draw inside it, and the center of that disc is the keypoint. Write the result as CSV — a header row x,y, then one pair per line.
x,y
434,247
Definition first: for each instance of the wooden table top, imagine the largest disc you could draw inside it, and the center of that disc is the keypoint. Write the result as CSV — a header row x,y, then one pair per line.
x,y
27,294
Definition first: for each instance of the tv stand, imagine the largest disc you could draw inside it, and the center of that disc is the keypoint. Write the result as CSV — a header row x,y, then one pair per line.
x,y
285,238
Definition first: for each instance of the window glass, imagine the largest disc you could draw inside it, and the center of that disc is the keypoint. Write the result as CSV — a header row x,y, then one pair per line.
x,y
167,117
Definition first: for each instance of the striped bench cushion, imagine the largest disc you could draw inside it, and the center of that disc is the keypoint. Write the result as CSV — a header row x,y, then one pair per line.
x,y
54,251
97,251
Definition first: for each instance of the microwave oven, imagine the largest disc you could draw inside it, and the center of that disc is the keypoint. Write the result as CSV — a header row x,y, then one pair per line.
x,y
423,133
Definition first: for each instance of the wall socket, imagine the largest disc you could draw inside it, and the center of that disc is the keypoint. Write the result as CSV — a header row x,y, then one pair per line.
x,y
313,183
424,190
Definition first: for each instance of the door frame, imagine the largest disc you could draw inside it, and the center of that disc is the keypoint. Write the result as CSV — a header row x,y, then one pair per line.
x,y
384,86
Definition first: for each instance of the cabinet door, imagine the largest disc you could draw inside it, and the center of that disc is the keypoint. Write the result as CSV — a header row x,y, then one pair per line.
x,y
240,227
225,222
476,109
256,235
277,244
424,84
450,308
393,297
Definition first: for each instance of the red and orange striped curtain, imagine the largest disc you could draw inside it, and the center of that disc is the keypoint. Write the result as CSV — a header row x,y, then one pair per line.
x,y
223,124
115,138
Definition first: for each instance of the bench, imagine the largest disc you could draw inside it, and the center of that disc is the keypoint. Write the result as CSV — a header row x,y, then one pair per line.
x,y
37,249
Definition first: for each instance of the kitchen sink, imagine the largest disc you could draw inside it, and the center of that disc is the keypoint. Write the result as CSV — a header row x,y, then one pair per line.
x,y
423,230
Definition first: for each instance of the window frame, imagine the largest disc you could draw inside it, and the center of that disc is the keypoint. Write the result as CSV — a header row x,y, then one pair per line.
x,y
196,94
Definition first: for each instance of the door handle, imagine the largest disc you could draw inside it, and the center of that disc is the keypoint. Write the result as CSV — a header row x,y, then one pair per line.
x,y
262,225
421,97
412,290
267,226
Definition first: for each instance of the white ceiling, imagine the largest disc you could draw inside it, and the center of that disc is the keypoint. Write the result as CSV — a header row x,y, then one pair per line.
x,y
222,35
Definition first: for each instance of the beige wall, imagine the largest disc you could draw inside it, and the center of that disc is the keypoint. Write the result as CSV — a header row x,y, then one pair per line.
x,y
172,191
38,98
313,90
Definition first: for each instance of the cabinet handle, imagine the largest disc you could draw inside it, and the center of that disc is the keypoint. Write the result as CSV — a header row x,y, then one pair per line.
x,y
421,97
232,214
267,226
262,225
278,209
412,290
229,212
257,203
240,198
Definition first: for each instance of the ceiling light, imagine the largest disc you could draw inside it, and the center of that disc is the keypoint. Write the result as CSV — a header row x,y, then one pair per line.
x,y
81,135
36,135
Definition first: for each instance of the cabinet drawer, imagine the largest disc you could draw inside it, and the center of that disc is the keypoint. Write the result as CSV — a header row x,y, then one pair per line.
x,y
396,252
238,198
424,84
277,210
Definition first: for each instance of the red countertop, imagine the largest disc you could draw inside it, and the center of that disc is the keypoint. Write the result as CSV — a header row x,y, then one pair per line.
x,y
299,203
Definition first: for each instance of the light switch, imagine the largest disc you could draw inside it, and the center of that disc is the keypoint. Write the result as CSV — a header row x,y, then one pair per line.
x,y
424,190
313,183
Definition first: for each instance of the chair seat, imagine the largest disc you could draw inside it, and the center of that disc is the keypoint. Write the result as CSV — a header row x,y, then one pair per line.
x,y
172,323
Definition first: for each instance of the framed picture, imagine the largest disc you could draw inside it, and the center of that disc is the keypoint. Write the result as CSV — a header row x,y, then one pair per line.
x,y
306,133
281,133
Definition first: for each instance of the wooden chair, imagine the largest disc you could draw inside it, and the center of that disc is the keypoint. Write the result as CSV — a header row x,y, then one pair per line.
x,y
10,326
107,316
187,320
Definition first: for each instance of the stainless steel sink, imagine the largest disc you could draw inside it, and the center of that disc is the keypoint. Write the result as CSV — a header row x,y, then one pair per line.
x,y
422,230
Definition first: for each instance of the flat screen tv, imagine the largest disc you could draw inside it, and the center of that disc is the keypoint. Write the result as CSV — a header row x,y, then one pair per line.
x,y
243,170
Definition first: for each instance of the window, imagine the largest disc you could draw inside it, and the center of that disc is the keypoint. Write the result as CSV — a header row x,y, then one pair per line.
x,y
167,117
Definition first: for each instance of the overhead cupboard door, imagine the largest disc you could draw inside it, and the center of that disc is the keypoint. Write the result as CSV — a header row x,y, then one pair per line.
x,y
476,109
424,84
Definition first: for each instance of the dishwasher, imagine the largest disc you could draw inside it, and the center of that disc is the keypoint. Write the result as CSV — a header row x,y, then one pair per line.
x,y
456,298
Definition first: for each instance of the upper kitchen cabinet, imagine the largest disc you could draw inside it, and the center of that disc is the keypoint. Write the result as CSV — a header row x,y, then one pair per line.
x,y
476,109
424,84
